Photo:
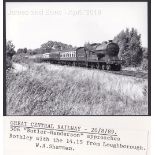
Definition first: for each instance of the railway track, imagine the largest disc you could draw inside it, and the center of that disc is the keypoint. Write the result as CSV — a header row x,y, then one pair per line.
x,y
137,74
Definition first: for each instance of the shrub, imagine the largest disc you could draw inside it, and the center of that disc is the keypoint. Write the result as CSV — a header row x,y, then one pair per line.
x,y
9,54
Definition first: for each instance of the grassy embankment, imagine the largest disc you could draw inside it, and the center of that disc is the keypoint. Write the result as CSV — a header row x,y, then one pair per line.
x,y
45,89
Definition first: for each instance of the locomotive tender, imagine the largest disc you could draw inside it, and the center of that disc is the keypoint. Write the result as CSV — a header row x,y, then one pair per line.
x,y
100,56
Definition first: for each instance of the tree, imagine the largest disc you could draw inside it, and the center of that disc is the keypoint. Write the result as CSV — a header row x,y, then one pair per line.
x,y
36,51
131,51
30,51
10,51
87,46
47,47
145,59
51,46
22,50
10,48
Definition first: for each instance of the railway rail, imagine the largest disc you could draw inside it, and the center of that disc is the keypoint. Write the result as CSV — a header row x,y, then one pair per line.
x,y
137,74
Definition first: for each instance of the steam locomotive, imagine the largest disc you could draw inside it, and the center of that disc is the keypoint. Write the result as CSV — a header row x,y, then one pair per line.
x,y
100,56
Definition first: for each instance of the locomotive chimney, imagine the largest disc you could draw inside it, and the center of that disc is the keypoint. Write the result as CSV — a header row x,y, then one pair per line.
x,y
105,42
110,41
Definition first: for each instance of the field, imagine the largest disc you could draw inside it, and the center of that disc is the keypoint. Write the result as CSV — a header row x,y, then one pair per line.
x,y
46,89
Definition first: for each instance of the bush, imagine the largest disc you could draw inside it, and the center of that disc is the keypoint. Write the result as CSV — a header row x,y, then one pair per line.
x,y
145,59
9,54
145,64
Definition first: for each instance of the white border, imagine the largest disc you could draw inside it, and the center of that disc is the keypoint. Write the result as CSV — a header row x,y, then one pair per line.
x,y
1,78
152,77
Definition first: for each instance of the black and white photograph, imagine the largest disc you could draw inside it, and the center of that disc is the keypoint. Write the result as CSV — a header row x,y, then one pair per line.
x,y
77,58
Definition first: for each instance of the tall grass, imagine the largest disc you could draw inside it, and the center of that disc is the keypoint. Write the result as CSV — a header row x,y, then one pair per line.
x,y
45,89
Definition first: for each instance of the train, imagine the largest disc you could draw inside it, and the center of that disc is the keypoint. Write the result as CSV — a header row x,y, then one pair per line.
x,y
97,56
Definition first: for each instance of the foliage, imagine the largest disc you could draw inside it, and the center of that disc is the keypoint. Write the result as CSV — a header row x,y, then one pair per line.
x,y
54,46
9,53
131,51
145,59
50,46
10,48
36,51
20,58
22,50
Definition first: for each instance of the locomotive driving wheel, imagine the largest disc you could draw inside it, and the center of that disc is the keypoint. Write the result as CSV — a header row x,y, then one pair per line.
x,y
74,64
108,67
118,68
87,65
98,66
103,67
92,66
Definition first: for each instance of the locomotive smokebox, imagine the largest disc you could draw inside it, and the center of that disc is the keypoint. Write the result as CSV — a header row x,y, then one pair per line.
x,y
112,49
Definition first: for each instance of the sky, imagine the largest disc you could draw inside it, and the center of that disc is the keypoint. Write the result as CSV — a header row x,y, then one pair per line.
x,y
29,25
